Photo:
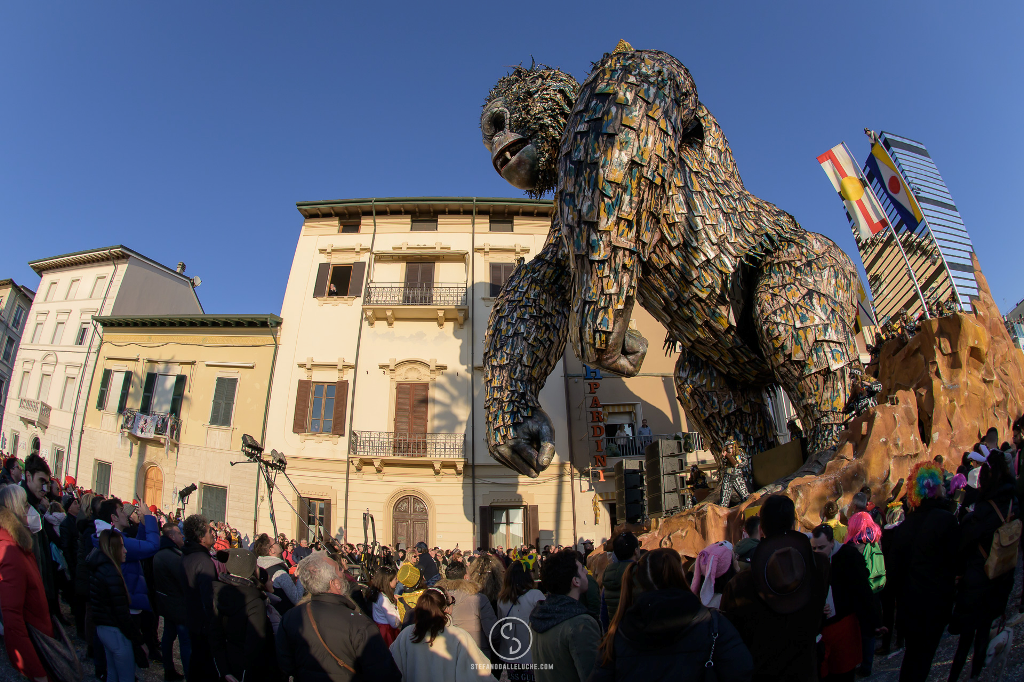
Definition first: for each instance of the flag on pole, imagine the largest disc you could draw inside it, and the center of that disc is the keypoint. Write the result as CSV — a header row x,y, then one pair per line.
x,y
894,186
847,179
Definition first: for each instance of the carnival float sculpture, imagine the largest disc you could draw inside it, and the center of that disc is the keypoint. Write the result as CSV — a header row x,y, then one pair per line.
x,y
650,209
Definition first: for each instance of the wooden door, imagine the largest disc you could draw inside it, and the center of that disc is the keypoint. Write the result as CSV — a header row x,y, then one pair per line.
x,y
411,418
154,487
419,283
409,521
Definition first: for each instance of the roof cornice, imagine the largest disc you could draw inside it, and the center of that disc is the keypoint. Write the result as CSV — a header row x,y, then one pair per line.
x,y
259,321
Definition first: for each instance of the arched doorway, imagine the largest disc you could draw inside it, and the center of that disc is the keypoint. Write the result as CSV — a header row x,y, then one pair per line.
x,y
34,446
409,521
153,490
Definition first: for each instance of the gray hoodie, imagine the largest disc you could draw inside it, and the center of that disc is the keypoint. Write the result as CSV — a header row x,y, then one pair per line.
x,y
565,640
282,580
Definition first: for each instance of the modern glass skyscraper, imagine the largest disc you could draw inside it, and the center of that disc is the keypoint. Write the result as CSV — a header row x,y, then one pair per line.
x,y
938,248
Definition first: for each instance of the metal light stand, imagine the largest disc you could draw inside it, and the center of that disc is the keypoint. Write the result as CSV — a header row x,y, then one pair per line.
x,y
252,449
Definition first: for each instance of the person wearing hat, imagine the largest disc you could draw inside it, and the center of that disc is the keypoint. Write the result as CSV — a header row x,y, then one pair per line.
x,y
411,580
777,605
241,638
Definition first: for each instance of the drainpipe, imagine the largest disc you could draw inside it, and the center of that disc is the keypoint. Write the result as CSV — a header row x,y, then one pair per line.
x,y
472,374
263,433
355,367
85,365
572,452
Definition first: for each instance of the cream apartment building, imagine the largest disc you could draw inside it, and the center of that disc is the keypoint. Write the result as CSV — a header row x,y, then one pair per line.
x,y
54,365
377,398
15,301
170,399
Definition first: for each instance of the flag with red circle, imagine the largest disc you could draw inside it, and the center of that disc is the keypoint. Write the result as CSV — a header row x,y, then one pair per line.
x,y
894,186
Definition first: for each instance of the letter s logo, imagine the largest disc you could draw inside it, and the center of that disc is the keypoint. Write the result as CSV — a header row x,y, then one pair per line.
x,y
507,633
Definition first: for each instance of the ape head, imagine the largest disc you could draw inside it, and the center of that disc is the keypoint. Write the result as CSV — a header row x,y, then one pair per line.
x,y
522,124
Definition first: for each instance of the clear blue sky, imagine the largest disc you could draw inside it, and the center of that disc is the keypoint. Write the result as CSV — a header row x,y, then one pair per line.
x,y
187,131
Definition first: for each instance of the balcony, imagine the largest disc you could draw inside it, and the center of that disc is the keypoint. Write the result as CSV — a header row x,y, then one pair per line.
x,y
156,426
34,412
380,447
440,301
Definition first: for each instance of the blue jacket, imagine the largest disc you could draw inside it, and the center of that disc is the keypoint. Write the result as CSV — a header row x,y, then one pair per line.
x,y
144,545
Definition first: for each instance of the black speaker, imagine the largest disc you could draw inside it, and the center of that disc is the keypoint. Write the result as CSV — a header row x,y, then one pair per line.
x,y
629,491
664,471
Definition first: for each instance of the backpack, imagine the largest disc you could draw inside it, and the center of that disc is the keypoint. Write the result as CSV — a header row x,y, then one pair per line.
x,y
876,566
1002,555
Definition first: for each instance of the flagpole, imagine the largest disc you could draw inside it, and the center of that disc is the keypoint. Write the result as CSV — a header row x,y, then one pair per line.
x,y
892,228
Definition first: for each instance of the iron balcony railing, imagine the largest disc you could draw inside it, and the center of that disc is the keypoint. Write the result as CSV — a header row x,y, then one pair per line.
x,y
397,293
398,444
34,411
152,425
634,446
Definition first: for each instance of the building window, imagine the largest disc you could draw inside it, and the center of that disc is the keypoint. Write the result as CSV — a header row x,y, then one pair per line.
x,y
213,502
163,394
508,526
321,412
424,225
419,283
58,463
37,333
26,376
44,388
72,290
500,272
501,225
115,385
3,395
349,228
50,291
14,443
83,331
101,478
19,314
67,394
223,401
317,521
9,349
97,287
58,332
341,277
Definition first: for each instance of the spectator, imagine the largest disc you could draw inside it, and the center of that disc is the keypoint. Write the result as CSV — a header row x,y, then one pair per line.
x,y
980,599
921,566
169,587
301,552
22,597
865,535
12,473
470,610
662,631
518,599
627,549
715,566
113,516
200,574
777,606
488,574
270,557
848,611
110,600
35,483
565,635
830,517
384,603
751,537
644,434
221,543
326,639
427,565
432,649
241,639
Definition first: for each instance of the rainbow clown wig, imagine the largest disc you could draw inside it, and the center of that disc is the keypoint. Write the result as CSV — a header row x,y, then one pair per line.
x,y
925,483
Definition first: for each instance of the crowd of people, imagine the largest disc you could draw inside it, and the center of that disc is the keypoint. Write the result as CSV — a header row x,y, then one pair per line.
x,y
938,554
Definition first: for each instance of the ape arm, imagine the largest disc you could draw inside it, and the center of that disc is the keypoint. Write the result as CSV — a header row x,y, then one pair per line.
x,y
525,339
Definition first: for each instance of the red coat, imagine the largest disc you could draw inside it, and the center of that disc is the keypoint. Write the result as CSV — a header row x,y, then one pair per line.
x,y
22,598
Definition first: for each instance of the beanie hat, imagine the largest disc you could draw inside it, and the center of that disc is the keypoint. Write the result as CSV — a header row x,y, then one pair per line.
x,y
409,575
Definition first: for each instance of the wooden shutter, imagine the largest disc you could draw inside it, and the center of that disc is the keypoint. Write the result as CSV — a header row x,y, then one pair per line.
x,y
101,397
355,284
340,404
126,386
328,528
178,395
301,527
147,392
322,274
223,401
496,281
484,528
300,421
533,525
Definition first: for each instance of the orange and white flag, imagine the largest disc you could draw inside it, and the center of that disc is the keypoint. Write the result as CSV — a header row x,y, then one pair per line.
x,y
852,186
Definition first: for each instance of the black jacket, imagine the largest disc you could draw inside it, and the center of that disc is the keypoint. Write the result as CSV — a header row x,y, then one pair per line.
x,y
108,596
666,635
200,574
169,582
851,588
920,563
41,549
351,636
979,599
241,638
86,528
69,543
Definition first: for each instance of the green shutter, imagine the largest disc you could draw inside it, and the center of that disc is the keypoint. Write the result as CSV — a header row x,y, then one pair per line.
x,y
147,392
126,386
223,401
179,393
101,398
